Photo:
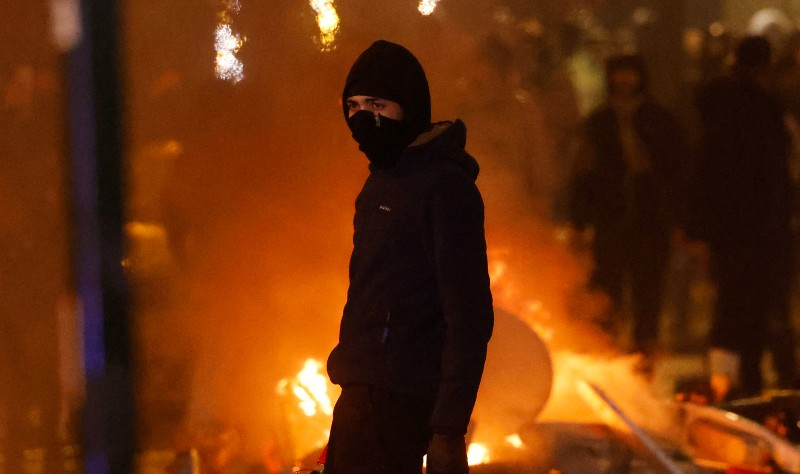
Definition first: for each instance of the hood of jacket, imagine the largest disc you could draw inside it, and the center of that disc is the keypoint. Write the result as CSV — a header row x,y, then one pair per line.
x,y
444,141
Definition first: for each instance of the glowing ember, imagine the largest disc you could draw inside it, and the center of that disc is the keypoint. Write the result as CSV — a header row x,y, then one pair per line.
x,y
477,454
227,43
328,21
426,7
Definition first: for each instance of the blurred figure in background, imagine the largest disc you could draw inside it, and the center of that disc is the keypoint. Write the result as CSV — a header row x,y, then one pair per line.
x,y
624,193
740,211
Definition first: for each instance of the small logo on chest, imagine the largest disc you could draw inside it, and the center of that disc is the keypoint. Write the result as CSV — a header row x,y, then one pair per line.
x,y
385,208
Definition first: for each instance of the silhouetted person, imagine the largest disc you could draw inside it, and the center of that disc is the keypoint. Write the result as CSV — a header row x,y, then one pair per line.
x,y
627,189
418,317
741,212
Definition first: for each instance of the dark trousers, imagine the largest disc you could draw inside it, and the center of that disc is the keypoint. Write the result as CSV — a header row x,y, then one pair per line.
x,y
641,261
752,314
378,431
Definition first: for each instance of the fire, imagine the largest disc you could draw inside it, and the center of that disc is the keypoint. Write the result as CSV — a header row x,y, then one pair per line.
x,y
306,399
477,453
311,389
573,399
328,21
426,7
507,294
227,43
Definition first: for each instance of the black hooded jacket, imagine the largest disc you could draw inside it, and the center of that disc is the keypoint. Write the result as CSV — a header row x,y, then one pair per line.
x,y
419,310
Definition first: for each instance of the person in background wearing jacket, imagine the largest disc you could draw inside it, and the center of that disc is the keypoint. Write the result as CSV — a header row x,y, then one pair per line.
x,y
741,218
628,188
418,316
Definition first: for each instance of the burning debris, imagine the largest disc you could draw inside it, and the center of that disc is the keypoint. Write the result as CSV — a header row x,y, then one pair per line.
x,y
716,437
540,411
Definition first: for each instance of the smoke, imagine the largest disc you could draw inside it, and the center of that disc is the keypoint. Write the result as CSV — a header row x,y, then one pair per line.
x,y
258,203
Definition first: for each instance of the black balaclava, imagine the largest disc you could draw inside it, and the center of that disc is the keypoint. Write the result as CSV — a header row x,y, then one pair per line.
x,y
388,71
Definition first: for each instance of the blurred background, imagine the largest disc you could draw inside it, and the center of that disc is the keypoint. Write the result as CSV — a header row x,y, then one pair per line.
x,y
237,177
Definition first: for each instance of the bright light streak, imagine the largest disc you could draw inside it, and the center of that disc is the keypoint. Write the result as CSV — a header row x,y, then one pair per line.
x,y
426,7
477,454
328,21
227,43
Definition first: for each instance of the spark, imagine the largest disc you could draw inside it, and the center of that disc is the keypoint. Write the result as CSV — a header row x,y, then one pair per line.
x,y
328,21
426,7
233,6
227,43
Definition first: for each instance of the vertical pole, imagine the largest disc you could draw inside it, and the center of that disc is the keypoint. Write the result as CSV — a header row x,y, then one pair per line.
x,y
96,154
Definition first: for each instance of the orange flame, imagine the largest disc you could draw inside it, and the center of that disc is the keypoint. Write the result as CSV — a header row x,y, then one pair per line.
x,y
311,389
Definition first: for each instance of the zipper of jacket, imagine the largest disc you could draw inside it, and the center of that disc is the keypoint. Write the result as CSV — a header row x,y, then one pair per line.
x,y
385,334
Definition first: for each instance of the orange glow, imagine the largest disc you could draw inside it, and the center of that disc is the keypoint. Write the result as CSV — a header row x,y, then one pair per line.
x,y
515,441
311,389
328,21
308,407
506,290
477,453
574,401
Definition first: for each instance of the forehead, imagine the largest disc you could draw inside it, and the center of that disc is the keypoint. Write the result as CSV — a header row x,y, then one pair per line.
x,y
365,98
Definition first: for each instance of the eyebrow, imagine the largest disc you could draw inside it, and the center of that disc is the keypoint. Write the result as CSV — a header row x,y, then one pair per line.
x,y
368,100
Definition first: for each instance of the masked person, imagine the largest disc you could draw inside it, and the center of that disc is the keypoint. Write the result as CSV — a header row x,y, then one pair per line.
x,y
418,317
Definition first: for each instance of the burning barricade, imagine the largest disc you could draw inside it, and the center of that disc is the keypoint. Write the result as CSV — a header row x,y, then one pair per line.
x,y
543,412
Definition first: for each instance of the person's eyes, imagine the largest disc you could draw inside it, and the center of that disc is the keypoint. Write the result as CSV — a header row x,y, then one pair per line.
x,y
378,105
352,105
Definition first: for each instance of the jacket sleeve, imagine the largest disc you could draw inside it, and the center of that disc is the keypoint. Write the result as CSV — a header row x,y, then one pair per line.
x,y
458,251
